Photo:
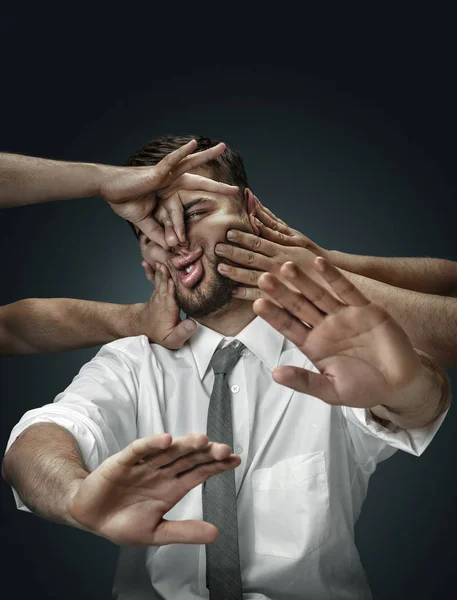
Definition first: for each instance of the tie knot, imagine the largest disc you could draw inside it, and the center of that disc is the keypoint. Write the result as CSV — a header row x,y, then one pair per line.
x,y
226,358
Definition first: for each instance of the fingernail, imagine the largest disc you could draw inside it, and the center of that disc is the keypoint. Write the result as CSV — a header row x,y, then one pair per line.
x,y
219,249
190,325
223,268
231,235
257,222
234,291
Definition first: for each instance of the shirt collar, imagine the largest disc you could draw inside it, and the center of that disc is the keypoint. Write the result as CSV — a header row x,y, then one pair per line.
x,y
258,336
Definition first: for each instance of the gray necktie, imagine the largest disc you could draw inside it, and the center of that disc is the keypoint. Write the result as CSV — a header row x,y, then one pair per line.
x,y
223,573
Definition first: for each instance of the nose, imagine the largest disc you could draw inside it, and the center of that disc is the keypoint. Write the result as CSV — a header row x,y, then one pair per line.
x,y
177,248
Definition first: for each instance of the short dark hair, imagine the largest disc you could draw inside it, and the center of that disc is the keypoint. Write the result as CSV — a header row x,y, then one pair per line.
x,y
227,167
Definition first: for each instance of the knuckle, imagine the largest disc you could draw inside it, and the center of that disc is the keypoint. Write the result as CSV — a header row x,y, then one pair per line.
x,y
257,243
319,295
253,276
250,257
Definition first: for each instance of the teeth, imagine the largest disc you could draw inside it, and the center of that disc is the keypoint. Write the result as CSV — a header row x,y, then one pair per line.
x,y
188,269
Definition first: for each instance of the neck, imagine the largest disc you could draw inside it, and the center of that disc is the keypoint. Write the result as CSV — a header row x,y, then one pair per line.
x,y
230,320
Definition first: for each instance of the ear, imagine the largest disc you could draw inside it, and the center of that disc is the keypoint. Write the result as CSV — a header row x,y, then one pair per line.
x,y
251,205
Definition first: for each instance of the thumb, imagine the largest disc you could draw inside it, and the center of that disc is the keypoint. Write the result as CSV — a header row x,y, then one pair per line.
x,y
184,532
180,334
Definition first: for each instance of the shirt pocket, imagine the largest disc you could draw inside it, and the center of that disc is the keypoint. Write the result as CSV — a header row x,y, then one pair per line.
x,y
291,506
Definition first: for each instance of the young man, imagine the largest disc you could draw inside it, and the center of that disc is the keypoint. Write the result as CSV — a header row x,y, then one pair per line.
x,y
43,325
102,457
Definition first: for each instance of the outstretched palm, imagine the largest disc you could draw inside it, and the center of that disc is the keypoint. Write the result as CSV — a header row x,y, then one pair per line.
x,y
363,356
127,496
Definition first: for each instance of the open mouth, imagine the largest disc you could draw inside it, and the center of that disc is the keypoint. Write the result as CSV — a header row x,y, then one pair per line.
x,y
191,274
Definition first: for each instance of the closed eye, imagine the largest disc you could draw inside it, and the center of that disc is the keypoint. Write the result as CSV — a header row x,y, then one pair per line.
x,y
194,214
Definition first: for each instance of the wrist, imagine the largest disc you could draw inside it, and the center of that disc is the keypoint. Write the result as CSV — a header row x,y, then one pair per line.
x,y
423,400
342,260
130,320
103,175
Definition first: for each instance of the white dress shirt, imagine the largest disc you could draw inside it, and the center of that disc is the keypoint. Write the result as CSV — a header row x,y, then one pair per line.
x,y
301,483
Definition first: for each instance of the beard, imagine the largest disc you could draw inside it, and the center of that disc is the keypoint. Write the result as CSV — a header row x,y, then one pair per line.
x,y
210,296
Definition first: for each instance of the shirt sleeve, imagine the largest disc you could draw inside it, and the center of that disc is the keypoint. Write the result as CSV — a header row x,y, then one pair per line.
x,y
98,408
373,442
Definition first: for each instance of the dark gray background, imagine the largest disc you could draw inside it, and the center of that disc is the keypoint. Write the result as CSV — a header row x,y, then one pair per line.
x,y
348,137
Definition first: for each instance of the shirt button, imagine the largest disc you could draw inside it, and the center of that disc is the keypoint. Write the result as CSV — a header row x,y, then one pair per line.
x,y
235,389
238,449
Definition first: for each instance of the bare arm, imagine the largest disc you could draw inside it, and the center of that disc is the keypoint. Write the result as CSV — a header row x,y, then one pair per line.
x,y
132,192
363,356
45,467
125,498
429,320
426,275
30,180
46,325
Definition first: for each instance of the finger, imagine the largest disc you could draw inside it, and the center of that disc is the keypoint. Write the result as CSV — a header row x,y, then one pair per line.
x,y
157,278
174,158
213,452
180,334
315,293
251,294
251,242
275,236
247,258
190,181
248,293
184,532
153,231
281,320
344,288
138,449
272,223
175,211
180,447
149,271
306,382
199,158
293,302
165,276
155,253
199,474
246,276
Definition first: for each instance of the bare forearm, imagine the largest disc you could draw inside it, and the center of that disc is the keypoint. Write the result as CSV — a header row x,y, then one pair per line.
x,y
429,320
46,325
426,275
30,180
427,397
45,467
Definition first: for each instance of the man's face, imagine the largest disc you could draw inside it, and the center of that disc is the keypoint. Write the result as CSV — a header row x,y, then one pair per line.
x,y
200,289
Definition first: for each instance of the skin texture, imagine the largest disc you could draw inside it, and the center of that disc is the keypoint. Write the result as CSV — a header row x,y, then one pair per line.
x,y
429,319
364,357
393,388
46,325
132,192
125,498
211,300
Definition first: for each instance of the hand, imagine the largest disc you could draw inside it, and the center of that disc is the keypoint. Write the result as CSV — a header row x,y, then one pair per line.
x,y
364,357
274,229
258,255
132,192
126,497
159,317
